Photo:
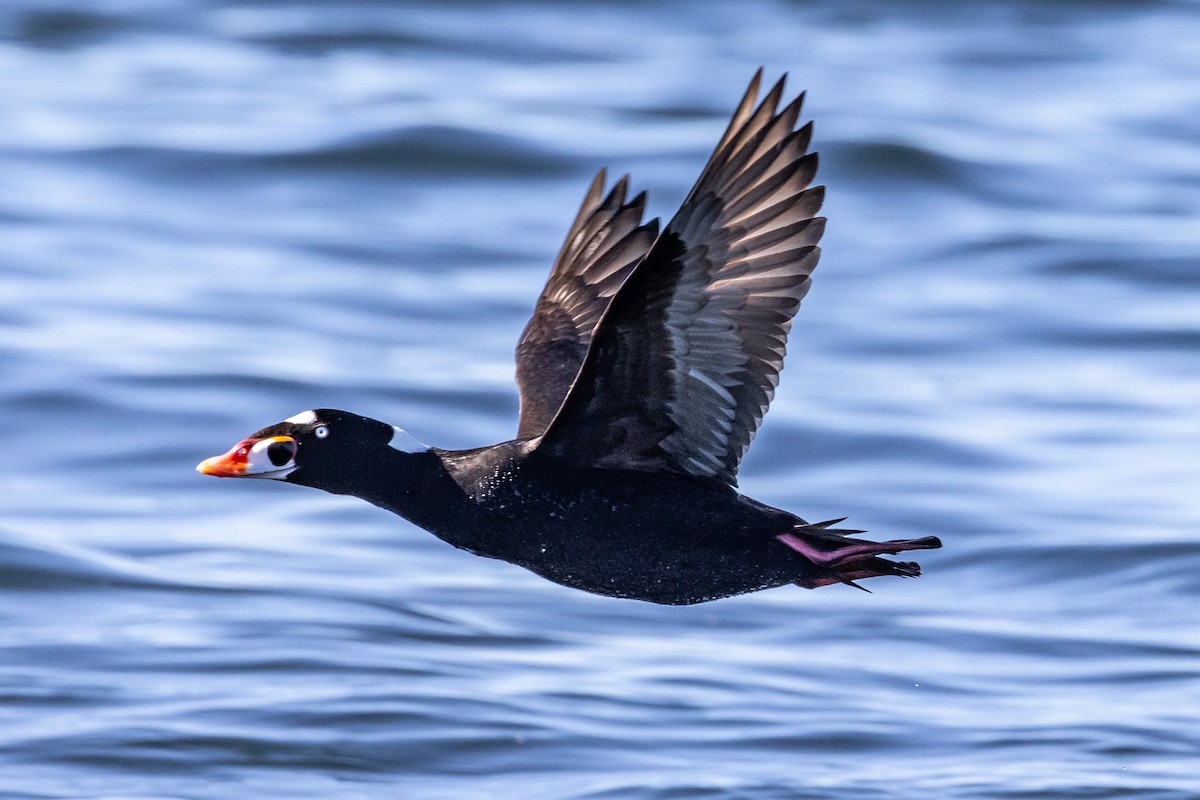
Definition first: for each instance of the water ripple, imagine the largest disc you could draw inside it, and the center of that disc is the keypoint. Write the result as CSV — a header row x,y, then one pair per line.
x,y
216,215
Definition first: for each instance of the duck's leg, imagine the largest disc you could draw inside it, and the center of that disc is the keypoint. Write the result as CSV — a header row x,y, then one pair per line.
x,y
845,560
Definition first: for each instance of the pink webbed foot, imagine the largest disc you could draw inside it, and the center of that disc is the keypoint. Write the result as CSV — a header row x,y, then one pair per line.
x,y
845,560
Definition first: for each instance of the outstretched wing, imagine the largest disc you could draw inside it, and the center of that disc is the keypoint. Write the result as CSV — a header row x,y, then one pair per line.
x,y
604,243
687,358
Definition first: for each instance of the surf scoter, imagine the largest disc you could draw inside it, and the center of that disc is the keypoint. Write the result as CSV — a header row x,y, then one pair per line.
x,y
644,374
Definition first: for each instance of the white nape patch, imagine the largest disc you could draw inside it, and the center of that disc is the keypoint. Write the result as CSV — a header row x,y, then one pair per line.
x,y
405,442
303,418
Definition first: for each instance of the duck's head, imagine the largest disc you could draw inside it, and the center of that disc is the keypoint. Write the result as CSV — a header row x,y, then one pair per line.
x,y
321,448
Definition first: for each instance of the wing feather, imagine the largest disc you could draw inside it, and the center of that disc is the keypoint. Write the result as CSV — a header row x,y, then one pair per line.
x,y
686,359
605,241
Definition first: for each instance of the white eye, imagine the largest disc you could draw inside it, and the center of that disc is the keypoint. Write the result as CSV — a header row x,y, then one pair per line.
x,y
321,432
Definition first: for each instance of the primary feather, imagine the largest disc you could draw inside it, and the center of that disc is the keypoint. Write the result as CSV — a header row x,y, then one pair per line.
x,y
685,362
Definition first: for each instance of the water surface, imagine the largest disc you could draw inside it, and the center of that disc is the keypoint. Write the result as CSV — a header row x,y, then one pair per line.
x,y
218,214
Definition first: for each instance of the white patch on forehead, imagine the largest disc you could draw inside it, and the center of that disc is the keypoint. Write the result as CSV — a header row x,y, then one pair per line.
x,y
405,442
303,418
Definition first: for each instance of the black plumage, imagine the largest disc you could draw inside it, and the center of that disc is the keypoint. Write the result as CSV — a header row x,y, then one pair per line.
x,y
644,375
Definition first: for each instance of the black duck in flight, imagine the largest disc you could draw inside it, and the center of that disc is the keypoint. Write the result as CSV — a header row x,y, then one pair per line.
x,y
644,373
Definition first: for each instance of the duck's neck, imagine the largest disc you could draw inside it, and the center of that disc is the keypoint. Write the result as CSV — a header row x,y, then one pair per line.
x,y
418,487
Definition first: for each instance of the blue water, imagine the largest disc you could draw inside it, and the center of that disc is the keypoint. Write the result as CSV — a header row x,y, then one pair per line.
x,y
217,214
